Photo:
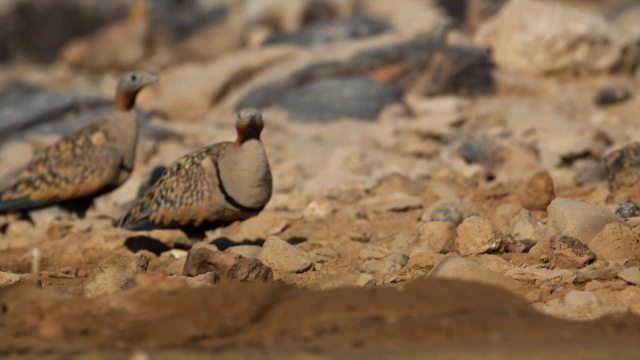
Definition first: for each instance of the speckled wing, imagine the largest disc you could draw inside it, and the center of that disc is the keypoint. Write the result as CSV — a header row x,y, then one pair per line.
x,y
187,193
81,165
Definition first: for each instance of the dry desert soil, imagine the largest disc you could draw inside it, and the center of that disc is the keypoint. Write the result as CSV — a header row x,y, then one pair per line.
x,y
462,219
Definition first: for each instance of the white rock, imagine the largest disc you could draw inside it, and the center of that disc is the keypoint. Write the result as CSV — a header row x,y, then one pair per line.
x,y
264,224
288,176
630,275
368,254
494,263
434,235
432,126
194,84
541,37
577,219
115,273
439,105
284,257
318,208
364,279
249,251
477,235
43,217
396,201
322,256
421,169
536,274
523,226
205,279
627,23
177,253
581,299
384,266
456,267
327,253
206,245
7,278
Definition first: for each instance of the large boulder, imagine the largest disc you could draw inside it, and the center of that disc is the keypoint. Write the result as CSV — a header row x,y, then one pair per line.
x,y
542,37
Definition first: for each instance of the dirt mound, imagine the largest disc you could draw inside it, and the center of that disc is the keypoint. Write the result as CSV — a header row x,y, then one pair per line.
x,y
168,315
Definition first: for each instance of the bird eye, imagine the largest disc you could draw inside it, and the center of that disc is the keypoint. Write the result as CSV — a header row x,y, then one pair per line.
x,y
133,77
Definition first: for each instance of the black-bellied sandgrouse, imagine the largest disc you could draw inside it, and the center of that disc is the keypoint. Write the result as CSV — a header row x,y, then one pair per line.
x,y
210,187
87,163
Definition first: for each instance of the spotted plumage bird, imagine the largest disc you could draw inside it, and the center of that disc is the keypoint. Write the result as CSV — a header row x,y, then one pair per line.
x,y
87,163
210,187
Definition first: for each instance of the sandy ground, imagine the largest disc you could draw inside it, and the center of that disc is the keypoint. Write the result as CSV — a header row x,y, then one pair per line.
x,y
356,202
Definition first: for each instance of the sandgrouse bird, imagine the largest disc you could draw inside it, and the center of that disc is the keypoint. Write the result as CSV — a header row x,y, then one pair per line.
x,y
210,187
87,163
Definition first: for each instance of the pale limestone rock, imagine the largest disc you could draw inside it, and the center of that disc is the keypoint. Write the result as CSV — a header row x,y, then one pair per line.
x,y
396,201
523,226
630,275
577,219
541,37
435,236
284,257
7,278
616,241
248,251
477,235
318,208
116,273
455,267
581,299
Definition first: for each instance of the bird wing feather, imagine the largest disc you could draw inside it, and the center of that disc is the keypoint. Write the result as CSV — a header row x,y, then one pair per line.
x,y
186,193
79,165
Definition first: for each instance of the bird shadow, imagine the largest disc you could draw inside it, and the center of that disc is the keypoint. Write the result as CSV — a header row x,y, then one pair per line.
x,y
157,247
223,243
142,242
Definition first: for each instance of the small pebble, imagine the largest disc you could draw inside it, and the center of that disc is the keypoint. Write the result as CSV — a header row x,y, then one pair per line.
x,y
569,253
630,275
282,256
364,279
477,235
538,192
611,95
318,208
249,251
368,254
450,211
581,299
628,209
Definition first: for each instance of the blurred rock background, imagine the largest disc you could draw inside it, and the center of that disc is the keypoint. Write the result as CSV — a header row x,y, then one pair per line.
x,y
398,131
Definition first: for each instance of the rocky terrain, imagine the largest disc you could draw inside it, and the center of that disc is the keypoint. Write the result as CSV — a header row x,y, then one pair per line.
x,y
457,178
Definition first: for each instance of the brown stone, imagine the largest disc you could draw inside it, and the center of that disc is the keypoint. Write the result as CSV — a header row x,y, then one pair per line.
x,y
115,273
623,167
539,192
229,266
616,241
570,253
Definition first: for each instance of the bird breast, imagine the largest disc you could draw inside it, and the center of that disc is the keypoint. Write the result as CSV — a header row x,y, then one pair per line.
x,y
245,174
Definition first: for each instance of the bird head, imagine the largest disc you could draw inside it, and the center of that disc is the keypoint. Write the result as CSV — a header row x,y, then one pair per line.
x,y
129,85
249,125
